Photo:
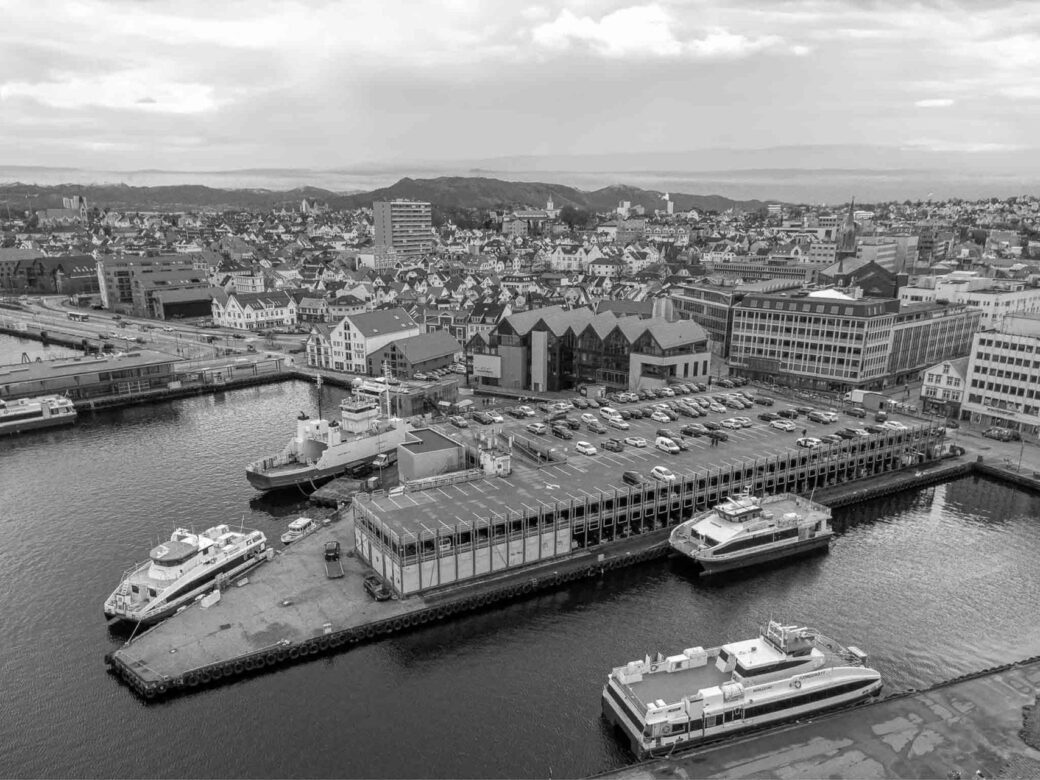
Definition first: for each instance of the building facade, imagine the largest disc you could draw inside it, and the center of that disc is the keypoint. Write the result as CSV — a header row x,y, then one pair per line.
x,y
347,346
1003,378
127,284
943,386
404,225
555,349
255,311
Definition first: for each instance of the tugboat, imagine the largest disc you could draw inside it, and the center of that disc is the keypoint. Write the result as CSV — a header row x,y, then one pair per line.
x,y
745,530
663,704
299,528
186,566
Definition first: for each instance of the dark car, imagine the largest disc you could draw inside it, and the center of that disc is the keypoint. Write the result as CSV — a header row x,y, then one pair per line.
x,y
832,438
764,400
637,413
483,418
694,429
515,412
614,445
790,414
625,414
804,409
580,403
633,478
843,433
360,470
856,411
570,422
597,427
718,435
951,423
769,416
375,588
874,428
562,432
711,425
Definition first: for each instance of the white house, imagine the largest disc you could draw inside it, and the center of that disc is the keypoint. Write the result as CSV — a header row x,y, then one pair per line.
x,y
357,336
254,311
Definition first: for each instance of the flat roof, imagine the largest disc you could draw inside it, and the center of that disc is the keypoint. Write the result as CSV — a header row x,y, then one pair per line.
x,y
48,369
429,440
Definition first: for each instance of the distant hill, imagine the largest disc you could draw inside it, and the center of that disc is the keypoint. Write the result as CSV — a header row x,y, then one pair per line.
x,y
480,192
447,192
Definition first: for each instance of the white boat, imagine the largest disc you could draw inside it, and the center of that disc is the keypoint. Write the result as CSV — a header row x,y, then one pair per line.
x,y
182,568
745,530
299,528
664,704
45,411
322,449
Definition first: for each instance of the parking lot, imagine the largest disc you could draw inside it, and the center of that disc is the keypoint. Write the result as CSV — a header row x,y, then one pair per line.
x,y
605,468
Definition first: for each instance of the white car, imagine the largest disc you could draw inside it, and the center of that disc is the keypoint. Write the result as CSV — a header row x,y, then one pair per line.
x,y
715,406
783,425
664,444
496,417
660,417
745,422
662,474
895,425
528,411
731,422
668,392
538,428
617,422
635,441
588,418
585,448
809,442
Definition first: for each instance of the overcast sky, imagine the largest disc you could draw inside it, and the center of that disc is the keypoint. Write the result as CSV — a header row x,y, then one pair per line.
x,y
222,84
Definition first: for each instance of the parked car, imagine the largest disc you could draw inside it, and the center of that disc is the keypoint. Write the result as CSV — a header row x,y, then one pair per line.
x,y
818,417
588,418
635,441
809,442
764,400
633,478
516,412
790,414
662,474
571,423
876,428
581,403
483,418
562,432
496,417
617,422
783,425
711,425
718,435
459,422
895,425
856,411
375,588
745,422
725,383
585,448
596,427
694,429
614,445
831,438
804,409
717,407
538,428
769,416
731,422
528,411
659,416
664,444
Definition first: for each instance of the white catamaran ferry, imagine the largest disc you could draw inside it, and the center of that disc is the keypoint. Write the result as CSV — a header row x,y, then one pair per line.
x,y
26,414
664,704
745,530
182,568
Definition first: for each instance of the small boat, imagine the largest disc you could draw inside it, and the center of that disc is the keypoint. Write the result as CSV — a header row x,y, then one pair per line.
x,y
183,568
667,703
299,528
745,530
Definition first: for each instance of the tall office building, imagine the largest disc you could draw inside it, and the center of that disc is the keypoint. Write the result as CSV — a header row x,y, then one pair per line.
x,y
403,225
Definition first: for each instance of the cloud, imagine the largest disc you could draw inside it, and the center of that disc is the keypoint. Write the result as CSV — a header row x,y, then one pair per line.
x,y
967,147
145,100
934,103
643,31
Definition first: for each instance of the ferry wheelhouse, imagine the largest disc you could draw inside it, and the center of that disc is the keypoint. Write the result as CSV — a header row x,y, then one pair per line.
x,y
667,703
182,568
746,530
45,411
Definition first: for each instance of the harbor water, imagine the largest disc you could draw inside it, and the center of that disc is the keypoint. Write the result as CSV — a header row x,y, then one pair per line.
x,y
932,584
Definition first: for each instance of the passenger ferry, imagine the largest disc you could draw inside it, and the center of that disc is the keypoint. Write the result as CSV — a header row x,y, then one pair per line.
x,y
665,704
186,566
45,411
745,530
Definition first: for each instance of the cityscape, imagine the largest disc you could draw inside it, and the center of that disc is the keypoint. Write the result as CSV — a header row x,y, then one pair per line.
x,y
519,457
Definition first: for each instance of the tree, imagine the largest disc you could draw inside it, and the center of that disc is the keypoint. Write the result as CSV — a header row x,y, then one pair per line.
x,y
575,218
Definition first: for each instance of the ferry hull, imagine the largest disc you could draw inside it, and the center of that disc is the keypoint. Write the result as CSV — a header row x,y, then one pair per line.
x,y
303,477
800,547
623,722
21,426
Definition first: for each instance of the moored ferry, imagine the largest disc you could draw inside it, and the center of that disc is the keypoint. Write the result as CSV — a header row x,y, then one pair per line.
x,y
323,449
45,411
664,704
183,568
745,530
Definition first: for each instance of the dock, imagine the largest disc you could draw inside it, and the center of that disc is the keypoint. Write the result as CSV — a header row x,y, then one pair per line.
x,y
986,722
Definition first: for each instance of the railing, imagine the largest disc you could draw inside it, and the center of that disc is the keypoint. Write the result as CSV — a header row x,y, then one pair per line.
x,y
429,483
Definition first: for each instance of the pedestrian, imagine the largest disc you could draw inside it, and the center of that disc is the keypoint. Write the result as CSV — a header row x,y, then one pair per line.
x,y
805,432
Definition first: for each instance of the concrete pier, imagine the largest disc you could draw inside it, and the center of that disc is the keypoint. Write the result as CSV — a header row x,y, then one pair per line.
x,y
986,722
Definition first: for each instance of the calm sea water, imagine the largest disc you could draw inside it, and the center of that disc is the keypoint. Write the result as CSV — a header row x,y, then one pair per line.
x,y
932,583
12,349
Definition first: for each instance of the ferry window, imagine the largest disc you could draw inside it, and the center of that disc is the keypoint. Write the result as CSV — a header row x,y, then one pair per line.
x,y
151,592
135,589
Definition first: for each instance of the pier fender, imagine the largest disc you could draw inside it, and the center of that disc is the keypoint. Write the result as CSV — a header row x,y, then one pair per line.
x,y
323,643
440,613
271,659
108,659
282,655
161,688
397,624
370,632
336,640
149,691
527,587
238,667
590,572
407,621
191,680
294,653
313,648
205,677
796,684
